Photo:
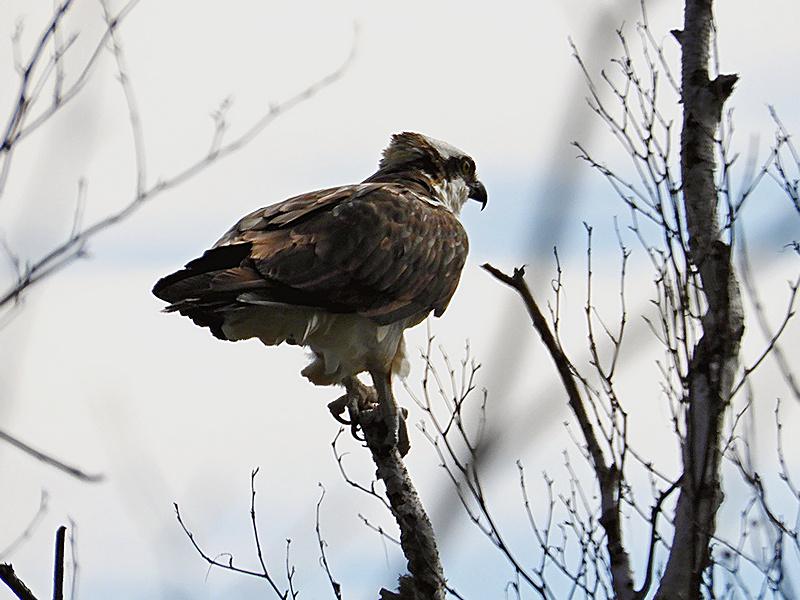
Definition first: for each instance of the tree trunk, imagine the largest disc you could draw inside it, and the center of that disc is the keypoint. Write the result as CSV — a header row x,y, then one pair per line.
x,y
715,356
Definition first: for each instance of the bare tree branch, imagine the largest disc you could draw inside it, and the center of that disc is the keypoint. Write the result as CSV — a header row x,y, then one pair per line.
x,y
21,591
608,477
29,529
74,246
772,348
371,491
283,594
58,574
49,460
335,585
30,89
14,583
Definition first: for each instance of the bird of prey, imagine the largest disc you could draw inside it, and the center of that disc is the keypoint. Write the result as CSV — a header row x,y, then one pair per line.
x,y
342,271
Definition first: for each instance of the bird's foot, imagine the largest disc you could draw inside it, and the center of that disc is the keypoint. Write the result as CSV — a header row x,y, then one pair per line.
x,y
359,398
363,408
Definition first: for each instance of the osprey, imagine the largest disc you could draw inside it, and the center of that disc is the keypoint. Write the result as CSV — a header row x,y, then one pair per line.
x,y
342,271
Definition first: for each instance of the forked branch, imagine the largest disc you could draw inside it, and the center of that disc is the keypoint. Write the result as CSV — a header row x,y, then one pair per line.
x,y
282,593
608,477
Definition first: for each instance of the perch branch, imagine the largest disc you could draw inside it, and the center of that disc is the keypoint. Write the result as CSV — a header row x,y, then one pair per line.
x,y
417,538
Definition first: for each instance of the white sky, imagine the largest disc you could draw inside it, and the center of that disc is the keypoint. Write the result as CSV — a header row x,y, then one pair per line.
x,y
92,372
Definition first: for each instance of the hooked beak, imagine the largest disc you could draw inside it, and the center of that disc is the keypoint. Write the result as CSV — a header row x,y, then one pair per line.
x,y
478,192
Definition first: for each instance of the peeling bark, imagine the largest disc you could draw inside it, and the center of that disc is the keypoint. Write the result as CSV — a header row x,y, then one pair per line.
x,y
715,356
417,540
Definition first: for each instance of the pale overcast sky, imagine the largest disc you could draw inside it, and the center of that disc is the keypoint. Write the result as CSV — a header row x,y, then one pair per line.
x,y
92,372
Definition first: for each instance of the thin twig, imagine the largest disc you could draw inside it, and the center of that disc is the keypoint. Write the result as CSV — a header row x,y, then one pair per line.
x,y
379,530
463,472
370,491
517,282
49,460
213,562
29,529
335,585
130,98
254,525
74,246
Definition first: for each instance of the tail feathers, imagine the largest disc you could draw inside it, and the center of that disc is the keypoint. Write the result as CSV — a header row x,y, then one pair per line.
x,y
203,315
197,274
206,286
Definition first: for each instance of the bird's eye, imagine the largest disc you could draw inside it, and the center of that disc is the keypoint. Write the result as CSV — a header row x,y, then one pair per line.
x,y
467,166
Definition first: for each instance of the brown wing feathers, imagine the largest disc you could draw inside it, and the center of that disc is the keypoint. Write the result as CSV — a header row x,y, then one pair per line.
x,y
371,249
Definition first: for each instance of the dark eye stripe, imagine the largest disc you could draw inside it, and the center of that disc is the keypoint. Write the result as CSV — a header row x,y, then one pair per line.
x,y
460,166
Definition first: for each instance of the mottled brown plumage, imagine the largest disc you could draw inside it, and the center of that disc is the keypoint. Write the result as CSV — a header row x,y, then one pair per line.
x,y
344,270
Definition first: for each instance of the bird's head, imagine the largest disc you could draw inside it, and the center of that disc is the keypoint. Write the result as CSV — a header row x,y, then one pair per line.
x,y
446,170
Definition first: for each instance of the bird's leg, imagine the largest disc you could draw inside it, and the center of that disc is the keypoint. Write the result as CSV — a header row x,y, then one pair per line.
x,y
394,420
386,404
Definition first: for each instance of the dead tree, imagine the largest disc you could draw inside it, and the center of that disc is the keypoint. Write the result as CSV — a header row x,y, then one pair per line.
x,y
685,218
714,360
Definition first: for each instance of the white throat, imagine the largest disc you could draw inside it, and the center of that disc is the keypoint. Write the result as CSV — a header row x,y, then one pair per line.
x,y
453,194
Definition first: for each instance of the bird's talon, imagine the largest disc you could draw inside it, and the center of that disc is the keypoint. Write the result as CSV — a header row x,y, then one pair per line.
x,y
337,409
354,432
